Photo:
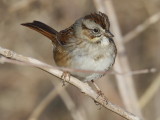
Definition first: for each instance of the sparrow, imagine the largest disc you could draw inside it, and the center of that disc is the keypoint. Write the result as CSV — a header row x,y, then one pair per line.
x,y
87,45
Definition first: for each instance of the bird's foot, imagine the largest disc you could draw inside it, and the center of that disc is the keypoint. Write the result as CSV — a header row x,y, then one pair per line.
x,y
66,77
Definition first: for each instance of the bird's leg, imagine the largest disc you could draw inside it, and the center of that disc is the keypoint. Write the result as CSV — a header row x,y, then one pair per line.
x,y
97,88
66,77
99,92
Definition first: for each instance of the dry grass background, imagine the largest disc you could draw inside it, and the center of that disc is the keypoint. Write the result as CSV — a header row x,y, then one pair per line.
x,y
23,88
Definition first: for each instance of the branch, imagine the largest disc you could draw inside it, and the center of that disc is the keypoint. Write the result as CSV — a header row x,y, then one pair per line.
x,y
142,27
61,91
45,102
8,56
150,92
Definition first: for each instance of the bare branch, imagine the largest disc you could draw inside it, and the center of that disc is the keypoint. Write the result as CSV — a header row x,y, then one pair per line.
x,y
142,27
61,91
136,72
150,92
45,102
83,87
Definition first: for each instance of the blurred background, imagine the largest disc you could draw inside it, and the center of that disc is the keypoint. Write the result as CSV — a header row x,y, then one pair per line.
x,y
27,93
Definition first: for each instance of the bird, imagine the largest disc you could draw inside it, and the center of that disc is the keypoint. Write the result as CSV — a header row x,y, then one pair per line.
x,y
86,45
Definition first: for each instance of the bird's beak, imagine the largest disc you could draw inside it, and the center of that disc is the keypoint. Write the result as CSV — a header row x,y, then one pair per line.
x,y
109,34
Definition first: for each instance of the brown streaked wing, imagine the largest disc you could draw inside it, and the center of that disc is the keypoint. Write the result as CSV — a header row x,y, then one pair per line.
x,y
65,35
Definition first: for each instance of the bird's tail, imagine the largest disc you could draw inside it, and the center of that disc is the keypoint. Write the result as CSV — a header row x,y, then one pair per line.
x,y
43,29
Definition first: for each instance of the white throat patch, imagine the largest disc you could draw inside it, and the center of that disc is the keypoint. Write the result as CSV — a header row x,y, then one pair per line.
x,y
105,41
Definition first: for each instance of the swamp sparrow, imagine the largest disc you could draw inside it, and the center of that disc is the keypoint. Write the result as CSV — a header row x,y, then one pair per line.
x,y
85,45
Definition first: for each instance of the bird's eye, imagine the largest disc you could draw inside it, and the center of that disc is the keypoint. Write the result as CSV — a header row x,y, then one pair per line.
x,y
96,30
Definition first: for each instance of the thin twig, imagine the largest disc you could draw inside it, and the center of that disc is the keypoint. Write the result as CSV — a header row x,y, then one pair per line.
x,y
61,91
45,102
83,87
135,72
149,93
75,113
142,27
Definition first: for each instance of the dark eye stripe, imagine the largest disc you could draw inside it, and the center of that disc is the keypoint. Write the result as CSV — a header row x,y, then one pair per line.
x,y
91,35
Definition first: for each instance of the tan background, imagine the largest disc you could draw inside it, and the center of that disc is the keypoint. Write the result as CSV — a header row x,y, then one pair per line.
x,y
22,88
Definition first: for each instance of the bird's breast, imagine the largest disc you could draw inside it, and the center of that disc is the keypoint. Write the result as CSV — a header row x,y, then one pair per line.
x,y
96,59
87,57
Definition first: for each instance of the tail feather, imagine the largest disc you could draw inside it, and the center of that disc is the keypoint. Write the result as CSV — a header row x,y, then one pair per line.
x,y
43,29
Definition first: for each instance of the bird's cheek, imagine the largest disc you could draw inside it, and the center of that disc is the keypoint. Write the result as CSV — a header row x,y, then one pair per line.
x,y
87,35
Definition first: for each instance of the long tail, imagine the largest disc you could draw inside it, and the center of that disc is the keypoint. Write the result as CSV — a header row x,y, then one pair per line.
x,y
43,29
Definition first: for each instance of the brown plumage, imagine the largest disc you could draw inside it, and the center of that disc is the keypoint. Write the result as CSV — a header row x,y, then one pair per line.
x,y
105,24
87,44
43,29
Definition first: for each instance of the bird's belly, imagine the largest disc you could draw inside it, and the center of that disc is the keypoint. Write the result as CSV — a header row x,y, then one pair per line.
x,y
94,63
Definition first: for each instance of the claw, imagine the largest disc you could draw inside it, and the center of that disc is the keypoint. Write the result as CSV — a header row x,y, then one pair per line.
x,y
98,104
66,77
101,94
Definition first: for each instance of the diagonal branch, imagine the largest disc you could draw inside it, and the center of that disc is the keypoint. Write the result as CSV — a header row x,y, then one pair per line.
x,y
142,27
150,92
8,55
